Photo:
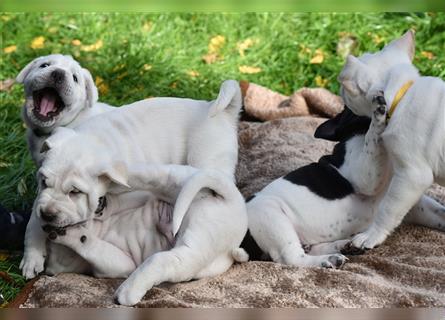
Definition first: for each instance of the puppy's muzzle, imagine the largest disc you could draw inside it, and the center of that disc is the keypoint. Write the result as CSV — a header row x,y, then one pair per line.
x,y
58,76
47,216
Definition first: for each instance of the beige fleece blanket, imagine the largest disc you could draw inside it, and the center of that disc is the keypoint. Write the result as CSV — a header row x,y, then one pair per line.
x,y
407,270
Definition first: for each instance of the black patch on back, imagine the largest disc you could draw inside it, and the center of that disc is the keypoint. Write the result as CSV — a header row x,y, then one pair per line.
x,y
337,158
249,244
343,126
321,179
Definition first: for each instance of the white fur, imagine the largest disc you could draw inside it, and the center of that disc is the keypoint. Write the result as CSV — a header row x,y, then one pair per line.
x,y
415,136
95,156
80,98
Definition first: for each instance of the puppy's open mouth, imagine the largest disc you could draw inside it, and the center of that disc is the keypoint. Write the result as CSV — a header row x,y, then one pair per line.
x,y
47,104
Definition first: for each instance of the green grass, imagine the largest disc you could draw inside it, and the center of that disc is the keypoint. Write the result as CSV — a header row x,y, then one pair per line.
x,y
173,45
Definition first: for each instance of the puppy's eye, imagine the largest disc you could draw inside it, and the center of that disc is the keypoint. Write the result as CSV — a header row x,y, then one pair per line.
x,y
75,78
44,65
43,183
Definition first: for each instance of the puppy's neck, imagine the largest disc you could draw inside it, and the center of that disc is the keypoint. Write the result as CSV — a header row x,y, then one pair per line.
x,y
396,77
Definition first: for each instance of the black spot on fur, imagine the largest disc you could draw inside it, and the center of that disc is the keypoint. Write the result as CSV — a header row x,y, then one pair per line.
x,y
337,158
83,239
249,244
343,126
321,179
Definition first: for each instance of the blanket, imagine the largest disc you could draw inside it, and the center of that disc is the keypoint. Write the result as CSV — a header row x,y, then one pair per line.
x,y
407,270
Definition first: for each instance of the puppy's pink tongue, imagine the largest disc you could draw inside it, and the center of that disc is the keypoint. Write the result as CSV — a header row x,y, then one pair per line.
x,y
47,104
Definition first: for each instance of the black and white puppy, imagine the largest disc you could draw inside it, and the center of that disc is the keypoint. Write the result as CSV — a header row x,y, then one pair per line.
x,y
306,217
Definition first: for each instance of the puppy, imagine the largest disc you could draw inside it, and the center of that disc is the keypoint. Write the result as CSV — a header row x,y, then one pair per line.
x,y
184,231
58,93
415,134
94,155
303,218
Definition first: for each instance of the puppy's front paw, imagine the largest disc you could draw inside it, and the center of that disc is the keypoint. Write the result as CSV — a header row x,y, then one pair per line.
x,y
350,250
32,264
71,237
368,239
129,293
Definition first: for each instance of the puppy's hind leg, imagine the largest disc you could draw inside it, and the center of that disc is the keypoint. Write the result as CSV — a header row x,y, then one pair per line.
x,y
327,247
428,213
275,235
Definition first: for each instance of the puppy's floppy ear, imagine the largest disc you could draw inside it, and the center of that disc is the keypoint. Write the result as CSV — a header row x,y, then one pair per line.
x,y
343,126
57,138
406,43
117,173
354,76
26,70
90,88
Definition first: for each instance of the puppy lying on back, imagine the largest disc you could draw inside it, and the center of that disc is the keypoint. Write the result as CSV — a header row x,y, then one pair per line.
x,y
58,93
303,218
94,155
190,227
415,135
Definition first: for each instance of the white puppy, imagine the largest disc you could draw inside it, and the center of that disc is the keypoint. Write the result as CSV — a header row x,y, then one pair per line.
x,y
199,238
96,154
415,135
58,93
303,218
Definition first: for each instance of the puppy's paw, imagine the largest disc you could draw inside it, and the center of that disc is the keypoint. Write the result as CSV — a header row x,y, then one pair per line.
x,y
369,239
350,250
71,236
129,293
32,264
334,261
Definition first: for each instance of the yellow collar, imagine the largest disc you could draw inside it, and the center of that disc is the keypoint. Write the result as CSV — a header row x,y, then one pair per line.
x,y
399,95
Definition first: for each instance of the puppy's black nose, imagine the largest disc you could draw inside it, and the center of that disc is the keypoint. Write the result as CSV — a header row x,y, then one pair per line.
x,y
58,76
47,216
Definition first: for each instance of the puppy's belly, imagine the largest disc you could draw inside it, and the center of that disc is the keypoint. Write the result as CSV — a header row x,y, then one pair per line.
x,y
135,231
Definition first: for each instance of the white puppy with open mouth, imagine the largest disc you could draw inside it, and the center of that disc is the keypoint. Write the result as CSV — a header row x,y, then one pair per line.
x,y
154,131
415,135
189,228
58,93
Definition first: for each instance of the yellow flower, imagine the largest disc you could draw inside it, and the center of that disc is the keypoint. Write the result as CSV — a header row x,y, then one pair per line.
x,y
76,42
147,67
249,69
101,85
147,26
38,43
10,49
193,73
319,81
92,47
318,57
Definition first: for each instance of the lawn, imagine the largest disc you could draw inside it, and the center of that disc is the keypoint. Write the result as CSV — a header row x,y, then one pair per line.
x,y
135,56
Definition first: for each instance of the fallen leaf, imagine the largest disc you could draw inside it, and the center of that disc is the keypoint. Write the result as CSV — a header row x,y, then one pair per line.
x,y
53,30
376,38
38,43
318,57
320,82
119,67
92,47
6,18
346,44
249,69
210,58
147,26
101,85
10,49
216,43
193,73
122,75
244,45
76,42
428,55
6,85
173,85
147,67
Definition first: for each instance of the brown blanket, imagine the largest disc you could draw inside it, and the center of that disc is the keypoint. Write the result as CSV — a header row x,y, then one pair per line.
x,y
408,270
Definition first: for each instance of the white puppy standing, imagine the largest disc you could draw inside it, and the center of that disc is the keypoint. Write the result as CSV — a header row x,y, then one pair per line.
x,y
58,93
415,135
207,223
154,131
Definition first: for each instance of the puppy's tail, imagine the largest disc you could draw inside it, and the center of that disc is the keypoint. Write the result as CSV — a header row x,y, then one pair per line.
x,y
211,179
229,99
